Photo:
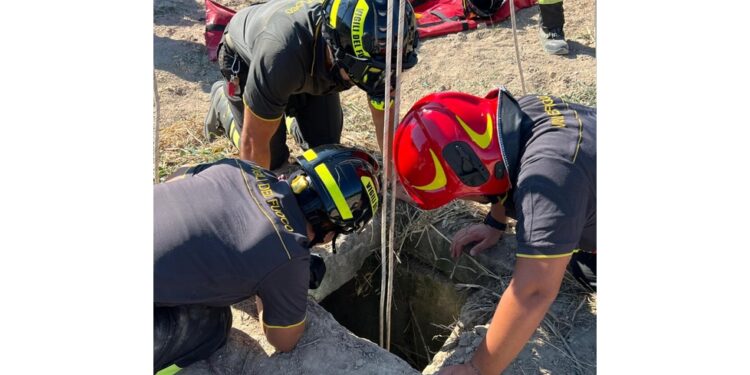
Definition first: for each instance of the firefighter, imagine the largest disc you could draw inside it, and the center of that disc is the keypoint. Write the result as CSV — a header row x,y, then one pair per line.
x,y
289,58
230,230
533,159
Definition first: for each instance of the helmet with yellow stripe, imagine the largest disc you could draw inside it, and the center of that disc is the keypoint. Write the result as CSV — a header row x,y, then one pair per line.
x,y
356,32
447,147
337,188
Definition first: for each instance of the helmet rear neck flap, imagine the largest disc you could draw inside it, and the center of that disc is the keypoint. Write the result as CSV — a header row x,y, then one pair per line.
x,y
356,32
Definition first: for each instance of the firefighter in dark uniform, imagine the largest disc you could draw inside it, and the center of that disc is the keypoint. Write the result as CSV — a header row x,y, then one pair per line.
x,y
230,230
292,58
535,158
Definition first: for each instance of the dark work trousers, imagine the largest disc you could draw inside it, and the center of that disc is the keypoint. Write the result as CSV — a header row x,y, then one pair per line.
x,y
583,268
319,119
187,334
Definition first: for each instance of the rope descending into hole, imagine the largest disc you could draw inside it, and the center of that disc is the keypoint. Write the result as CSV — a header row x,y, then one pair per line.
x,y
391,229
156,133
389,124
515,42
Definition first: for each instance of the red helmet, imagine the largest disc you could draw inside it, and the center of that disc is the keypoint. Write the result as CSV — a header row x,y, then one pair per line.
x,y
447,147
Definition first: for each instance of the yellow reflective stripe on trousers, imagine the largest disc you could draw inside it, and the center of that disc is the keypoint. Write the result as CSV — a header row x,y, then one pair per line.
x,y
234,134
548,2
334,191
379,105
169,370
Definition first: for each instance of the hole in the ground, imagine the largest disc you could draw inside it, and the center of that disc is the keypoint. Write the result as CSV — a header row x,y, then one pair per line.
x,y
425,303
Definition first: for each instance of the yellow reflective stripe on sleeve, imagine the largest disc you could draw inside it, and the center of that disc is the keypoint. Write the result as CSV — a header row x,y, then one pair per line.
x,y
310,155
256,115
169,370
335,12
334,191
291,326
547,256
548,2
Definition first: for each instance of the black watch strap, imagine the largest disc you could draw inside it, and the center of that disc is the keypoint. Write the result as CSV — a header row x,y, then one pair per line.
x,y
489,220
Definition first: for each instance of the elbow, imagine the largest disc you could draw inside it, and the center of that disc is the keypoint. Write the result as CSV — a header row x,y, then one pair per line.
x,y
284,339
285,346
536,293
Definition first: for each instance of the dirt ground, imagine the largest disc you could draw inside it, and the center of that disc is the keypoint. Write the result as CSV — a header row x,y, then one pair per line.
x,y
474,62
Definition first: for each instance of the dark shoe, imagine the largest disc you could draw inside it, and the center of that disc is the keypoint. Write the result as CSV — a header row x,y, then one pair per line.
x,y
292,127
553,41
212,127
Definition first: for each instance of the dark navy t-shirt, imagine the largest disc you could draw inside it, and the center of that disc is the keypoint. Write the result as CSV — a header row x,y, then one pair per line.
x,y
226,233
555,194
284,51
284,48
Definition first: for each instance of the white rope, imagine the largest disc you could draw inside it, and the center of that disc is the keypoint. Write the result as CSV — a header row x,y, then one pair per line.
x,y
391,234
515,41
386,171
156,133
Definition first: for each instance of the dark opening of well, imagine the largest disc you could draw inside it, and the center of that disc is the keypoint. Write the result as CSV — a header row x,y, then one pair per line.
x,y
423,300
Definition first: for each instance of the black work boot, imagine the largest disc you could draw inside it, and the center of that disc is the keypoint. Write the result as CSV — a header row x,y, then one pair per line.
x,y
292,127
212,126
551,32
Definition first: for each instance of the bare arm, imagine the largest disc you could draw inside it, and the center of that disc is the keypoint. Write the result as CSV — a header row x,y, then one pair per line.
x,y
284,339
255,139
524,303
378,119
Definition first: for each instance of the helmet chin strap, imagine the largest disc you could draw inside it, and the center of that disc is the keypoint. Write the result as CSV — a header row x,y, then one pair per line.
x,y
333,242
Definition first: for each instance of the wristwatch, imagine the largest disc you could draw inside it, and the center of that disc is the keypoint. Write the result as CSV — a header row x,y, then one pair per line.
x,y
489,220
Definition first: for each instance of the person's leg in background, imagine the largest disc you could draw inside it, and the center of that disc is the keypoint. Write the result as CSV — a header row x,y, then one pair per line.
x,y
583,268
187,334
552,20
225,115
319,121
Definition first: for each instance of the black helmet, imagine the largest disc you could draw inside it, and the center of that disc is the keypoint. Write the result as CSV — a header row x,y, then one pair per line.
x,y
481,8
337,188
356,32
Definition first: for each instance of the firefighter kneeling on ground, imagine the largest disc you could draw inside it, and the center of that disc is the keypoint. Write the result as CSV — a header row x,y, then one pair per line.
x,y
535,158
230,230
289,58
